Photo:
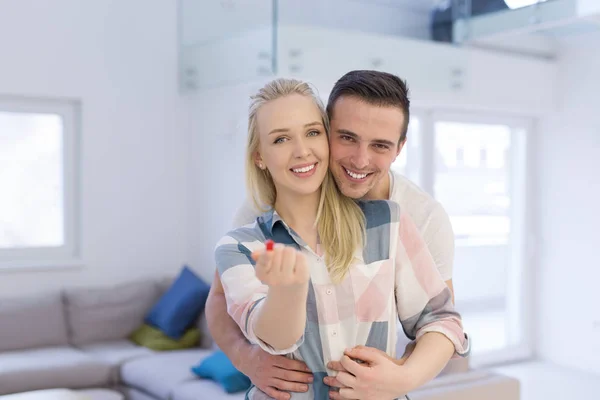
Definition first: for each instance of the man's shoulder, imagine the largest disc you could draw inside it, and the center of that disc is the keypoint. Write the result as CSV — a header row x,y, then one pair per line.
x,y
408,194
247,213
249,231
415,201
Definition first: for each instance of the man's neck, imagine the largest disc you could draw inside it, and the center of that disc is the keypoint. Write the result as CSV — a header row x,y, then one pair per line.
x,y
381,191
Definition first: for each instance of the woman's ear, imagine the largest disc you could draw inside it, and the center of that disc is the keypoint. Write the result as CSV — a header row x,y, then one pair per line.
x,y
258,161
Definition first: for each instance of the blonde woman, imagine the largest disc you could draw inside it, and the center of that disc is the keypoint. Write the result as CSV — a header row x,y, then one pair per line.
x,y
341,272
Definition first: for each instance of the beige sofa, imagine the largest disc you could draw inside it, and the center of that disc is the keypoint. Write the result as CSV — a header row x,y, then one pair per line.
x,y
77,339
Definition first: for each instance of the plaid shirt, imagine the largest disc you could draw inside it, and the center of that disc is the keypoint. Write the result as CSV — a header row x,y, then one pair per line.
x,y
394,277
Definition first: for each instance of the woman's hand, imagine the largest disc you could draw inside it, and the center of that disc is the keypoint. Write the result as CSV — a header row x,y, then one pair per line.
x,y
282,266
376,376
280,320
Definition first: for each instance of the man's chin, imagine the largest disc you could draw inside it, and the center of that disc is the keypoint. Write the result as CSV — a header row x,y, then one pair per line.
x,y
351,190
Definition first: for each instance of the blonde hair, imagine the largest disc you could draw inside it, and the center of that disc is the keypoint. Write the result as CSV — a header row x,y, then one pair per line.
x,y
340,221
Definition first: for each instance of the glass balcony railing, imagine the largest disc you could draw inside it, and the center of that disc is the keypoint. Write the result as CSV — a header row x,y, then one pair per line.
x,y
233,41
238,41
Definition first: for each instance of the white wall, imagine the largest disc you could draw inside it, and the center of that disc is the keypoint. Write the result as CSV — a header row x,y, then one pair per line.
x,y
119,58
569,195
218,139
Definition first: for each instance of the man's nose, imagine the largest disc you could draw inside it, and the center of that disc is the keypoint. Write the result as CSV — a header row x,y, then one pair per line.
x,y
360,159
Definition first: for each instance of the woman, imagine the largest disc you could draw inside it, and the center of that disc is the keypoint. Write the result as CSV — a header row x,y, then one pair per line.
x,y
341,272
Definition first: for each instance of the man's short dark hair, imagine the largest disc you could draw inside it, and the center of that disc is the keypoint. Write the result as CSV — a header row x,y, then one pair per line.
x,y
376,88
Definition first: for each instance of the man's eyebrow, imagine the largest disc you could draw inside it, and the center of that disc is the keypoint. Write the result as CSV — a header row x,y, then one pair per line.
x,y
347,132
355,136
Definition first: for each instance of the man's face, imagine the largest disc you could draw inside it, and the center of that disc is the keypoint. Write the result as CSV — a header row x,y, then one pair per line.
x,y
363,145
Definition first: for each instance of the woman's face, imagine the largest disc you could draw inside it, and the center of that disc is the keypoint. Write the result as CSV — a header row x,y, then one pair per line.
x,y
293,145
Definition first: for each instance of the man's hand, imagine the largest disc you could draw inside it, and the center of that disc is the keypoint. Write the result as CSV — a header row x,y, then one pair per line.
x,y
277,375
377,376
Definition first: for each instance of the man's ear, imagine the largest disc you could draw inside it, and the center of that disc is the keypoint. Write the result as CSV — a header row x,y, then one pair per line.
x,y
400,147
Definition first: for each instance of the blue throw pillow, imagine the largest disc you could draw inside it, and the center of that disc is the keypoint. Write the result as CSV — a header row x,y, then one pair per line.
x,y
218,368
180,306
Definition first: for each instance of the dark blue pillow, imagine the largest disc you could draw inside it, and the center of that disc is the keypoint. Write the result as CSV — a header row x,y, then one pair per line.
x,y
180,306
218,368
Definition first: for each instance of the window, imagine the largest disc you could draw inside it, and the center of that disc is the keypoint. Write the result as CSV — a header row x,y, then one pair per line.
x,y
471,159
484,195
39,213
476,166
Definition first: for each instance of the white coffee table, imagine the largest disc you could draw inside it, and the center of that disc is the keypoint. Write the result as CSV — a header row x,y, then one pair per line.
x,y
50,394
66,394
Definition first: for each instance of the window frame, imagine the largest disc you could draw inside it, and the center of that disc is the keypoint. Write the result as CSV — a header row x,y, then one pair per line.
x,y
69,254
520,299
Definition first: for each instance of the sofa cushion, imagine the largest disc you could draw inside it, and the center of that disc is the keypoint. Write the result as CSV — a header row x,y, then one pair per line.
x,y
115,353
206,340
203,389
162,372
54,367
220,369
108,313
35,321
154,339
180,306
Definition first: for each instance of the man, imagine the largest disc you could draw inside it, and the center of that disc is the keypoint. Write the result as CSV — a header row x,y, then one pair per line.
x,y
369,116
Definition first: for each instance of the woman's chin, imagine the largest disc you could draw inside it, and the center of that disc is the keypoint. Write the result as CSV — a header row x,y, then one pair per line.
x,y
306,190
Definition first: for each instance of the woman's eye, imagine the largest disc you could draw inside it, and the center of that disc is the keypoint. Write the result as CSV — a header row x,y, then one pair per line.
x,y
280,140
314,133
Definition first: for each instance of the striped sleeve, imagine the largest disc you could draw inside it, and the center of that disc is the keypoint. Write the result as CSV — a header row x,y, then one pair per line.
x,y
244,292
423,300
